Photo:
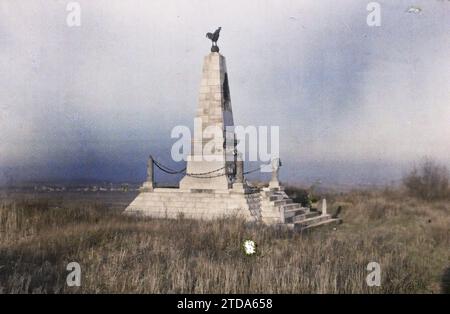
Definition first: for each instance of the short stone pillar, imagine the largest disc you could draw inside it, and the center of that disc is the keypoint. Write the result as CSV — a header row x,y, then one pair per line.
x,y
275,181
239,170
149,184
239,179
323,206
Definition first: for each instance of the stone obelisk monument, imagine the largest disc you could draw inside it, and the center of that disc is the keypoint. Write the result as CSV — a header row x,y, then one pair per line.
x,y
214,185
212,159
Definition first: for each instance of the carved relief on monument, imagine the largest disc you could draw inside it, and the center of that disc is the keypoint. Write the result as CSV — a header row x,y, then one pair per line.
x,y
226,94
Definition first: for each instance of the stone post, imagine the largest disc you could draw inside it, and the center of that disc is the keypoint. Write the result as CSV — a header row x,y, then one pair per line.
x,y
275,181
239,170
239,178
323,207
149,184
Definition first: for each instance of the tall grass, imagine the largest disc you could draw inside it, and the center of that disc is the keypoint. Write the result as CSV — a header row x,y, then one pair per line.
x,y
121,254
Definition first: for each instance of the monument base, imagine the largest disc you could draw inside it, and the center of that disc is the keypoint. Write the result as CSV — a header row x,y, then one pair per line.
x,y
269,205
202,204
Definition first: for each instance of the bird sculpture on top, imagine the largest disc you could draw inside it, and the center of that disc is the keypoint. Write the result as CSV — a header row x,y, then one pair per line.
x,y
214,37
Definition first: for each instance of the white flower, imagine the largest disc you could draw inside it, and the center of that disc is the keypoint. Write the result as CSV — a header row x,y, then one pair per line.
x,y
249,247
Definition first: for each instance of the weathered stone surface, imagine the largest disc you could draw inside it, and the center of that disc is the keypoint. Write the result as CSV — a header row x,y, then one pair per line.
x,y
214,110
169,203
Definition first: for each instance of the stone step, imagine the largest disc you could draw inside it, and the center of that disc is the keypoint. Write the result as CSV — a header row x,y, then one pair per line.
x,y
318,224
292,206
281,188
275,198
282,202
293,212
310,221
276,204
271,193
302,217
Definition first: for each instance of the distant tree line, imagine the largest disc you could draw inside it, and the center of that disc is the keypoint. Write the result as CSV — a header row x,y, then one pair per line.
x,y
428,181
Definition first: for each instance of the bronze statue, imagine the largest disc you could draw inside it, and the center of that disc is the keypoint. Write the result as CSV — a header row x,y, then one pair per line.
x,y
214,38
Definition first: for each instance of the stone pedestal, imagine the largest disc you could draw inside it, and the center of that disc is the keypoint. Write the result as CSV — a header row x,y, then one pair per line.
x,y
170,203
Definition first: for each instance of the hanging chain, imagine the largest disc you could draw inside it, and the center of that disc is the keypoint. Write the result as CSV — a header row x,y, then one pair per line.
x,y
254,170
201,175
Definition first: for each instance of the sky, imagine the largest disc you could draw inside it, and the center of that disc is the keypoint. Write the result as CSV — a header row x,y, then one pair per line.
x,y
355,104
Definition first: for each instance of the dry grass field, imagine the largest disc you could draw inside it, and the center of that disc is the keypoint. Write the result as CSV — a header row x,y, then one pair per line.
x,y
41,233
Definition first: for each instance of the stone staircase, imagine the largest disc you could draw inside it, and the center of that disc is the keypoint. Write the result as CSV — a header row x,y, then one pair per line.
x,y
254,205
278,208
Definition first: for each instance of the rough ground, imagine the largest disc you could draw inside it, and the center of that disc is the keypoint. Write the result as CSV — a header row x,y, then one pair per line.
x,y
41,233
